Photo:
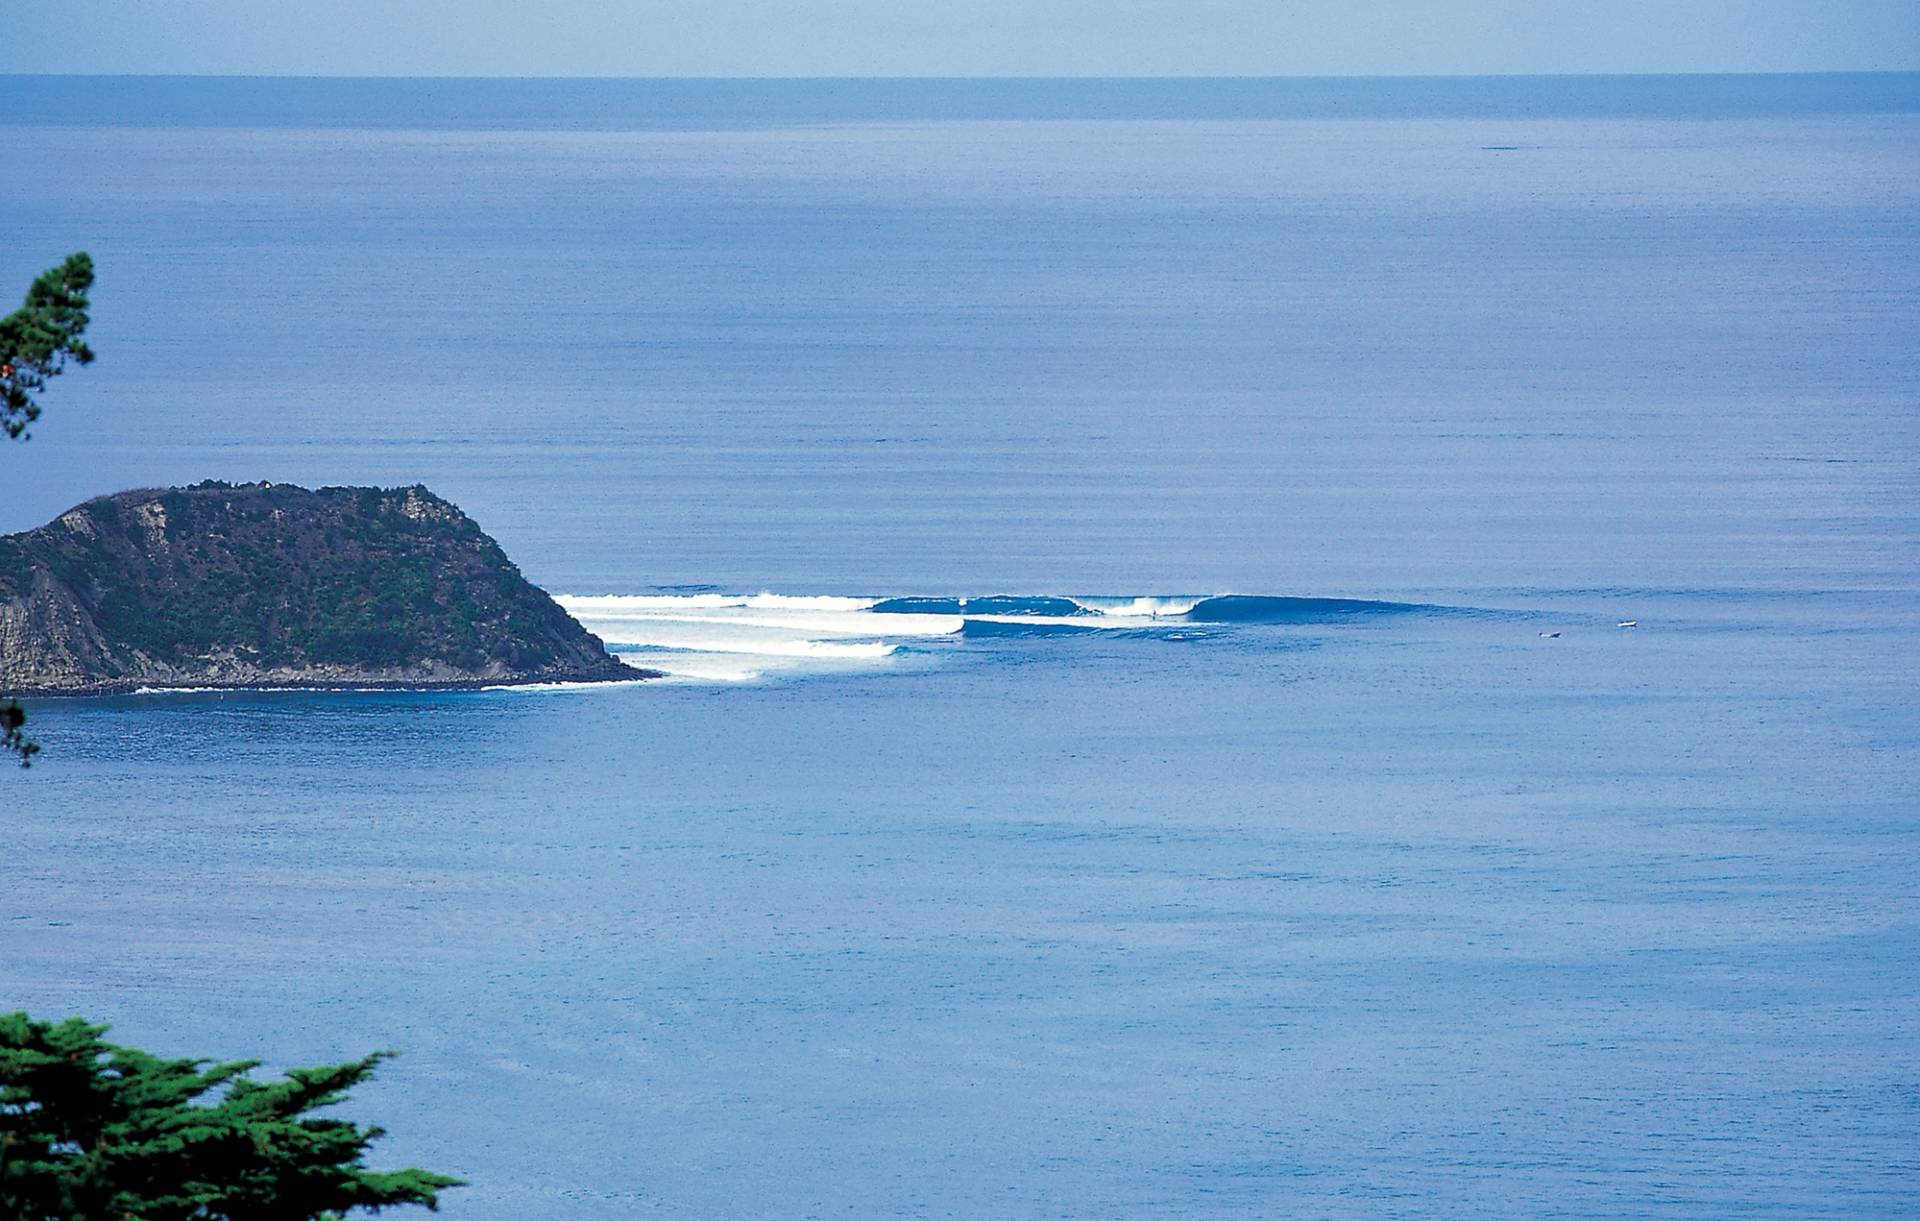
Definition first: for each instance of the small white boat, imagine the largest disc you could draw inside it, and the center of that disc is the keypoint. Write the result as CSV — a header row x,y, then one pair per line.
x,y
1628,623
1549,635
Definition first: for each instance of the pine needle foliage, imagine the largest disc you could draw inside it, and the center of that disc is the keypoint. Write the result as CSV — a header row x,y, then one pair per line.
x,y
39,339
36,342
13,733
94,1132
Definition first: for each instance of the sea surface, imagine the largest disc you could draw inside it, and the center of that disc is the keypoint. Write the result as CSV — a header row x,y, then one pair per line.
x,y
1236,648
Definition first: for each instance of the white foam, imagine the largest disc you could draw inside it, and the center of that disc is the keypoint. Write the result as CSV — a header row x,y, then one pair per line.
x,y
621,619
614,682
736,638
744,638
707,668
1139,608
773,648
618,603
817,623
788,602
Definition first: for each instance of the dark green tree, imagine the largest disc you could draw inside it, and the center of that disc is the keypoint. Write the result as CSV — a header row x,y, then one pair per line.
x,y
90,1132
41,337
13,735
36,342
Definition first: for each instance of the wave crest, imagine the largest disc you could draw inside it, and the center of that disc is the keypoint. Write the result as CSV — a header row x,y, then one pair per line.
x,y
705,635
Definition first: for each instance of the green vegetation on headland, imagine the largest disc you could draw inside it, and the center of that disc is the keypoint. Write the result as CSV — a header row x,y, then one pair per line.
x,y
223,585
90,1132
214,583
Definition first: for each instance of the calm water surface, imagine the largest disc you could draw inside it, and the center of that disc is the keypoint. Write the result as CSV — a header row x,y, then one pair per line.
x,y
1416,909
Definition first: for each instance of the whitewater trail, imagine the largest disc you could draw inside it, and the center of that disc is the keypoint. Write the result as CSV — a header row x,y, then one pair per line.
x,y
717,637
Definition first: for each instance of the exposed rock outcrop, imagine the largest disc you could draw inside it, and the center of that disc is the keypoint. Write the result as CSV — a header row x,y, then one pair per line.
x,y
271,585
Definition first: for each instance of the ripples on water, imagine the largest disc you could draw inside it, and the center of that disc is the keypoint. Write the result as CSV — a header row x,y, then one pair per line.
x,y
1366,894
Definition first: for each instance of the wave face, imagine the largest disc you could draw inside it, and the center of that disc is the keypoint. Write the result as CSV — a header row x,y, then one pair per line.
x,y
1013,627
1243,608
701,635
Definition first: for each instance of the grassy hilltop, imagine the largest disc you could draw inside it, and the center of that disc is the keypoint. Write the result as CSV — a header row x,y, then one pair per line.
x,y
276,585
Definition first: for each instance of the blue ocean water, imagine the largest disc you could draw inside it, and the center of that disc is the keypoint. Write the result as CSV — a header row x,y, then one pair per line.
x,y
1141,567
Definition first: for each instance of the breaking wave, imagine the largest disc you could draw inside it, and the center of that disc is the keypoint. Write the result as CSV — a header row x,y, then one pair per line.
x,y
996,604
703,635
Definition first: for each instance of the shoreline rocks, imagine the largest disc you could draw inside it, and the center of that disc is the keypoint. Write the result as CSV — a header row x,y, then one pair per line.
x,y
273,586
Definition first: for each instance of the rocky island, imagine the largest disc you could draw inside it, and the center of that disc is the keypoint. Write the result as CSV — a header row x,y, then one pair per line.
x,y
272,585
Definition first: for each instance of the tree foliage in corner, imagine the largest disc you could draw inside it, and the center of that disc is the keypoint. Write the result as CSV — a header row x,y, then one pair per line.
x,y
36,342
90,1131
13,733
38,339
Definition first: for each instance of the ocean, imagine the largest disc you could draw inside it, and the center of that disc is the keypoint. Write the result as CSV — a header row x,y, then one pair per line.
x,y
1143,570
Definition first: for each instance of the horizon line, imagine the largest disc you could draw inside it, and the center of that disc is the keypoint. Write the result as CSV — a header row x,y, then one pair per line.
x,y
947,79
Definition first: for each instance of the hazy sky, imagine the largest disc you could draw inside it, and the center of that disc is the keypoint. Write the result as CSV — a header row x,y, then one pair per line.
x,y
958,37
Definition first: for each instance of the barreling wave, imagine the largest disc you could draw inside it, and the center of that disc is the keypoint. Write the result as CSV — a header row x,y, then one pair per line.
x,y
701,634
1137,608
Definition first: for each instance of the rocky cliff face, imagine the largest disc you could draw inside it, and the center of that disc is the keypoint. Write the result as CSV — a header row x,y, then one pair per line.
x,y
273,585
